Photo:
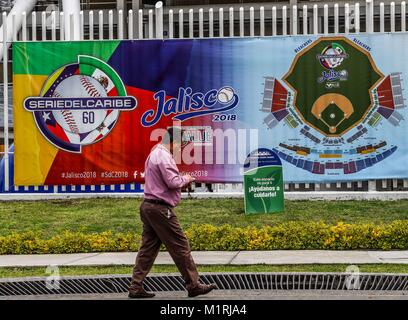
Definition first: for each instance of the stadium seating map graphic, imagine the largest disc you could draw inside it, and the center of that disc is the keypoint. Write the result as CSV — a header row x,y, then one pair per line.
x,y
332,96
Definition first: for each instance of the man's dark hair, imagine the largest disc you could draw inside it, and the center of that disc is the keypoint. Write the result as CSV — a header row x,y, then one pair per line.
x,y
172,134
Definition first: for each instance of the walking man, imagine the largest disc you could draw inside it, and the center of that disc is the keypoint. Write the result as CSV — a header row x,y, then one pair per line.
x,y
162,192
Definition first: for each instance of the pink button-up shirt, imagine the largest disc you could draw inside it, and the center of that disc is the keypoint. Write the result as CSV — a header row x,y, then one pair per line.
x,y
162,177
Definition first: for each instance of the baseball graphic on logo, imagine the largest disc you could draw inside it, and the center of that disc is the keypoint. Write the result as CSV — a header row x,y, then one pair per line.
x,y
79,121
225,94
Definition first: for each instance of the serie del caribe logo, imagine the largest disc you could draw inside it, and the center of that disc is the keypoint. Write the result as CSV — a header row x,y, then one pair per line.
x,y
80,103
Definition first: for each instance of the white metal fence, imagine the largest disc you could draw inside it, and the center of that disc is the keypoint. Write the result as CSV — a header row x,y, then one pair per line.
x,y
168,23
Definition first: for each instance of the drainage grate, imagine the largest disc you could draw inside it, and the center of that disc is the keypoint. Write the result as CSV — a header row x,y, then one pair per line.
x,y
224,281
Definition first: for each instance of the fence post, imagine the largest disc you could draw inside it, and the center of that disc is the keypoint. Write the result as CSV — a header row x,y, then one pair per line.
x,y
211,22
181,23
231,21
120,24
43,27
346,18
171,23
403,14
91,25
274,21
284,21
72,33
140,24
191,23
326,19
262,21
382,17
24,25
81,25
251,22
34,25
357,17
61,24
14,27
241,22
159,20
110,24
336,18
315,19
370,16
130,24
201,23
221,22
392,16
372,186
294,20
5,104
100,25
150,22
304,19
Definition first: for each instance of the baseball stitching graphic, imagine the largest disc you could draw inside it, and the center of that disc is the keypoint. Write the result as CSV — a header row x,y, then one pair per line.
x,y
79,121
225,95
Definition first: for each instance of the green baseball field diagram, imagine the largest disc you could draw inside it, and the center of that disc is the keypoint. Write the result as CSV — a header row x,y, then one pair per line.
x,y
332,80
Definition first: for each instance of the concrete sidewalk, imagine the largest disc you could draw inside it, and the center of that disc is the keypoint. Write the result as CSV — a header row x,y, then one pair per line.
x,y
277,257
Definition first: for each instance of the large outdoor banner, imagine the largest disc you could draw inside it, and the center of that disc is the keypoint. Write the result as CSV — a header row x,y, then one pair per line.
x,y
331,108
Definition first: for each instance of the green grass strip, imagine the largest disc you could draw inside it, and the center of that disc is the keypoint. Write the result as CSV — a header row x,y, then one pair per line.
x,y
52,217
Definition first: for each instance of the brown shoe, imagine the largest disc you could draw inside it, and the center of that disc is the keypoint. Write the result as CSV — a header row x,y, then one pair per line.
x,y
201,289
140,293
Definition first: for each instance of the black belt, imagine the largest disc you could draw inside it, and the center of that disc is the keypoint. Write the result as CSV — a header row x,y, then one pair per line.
x,y
161,202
